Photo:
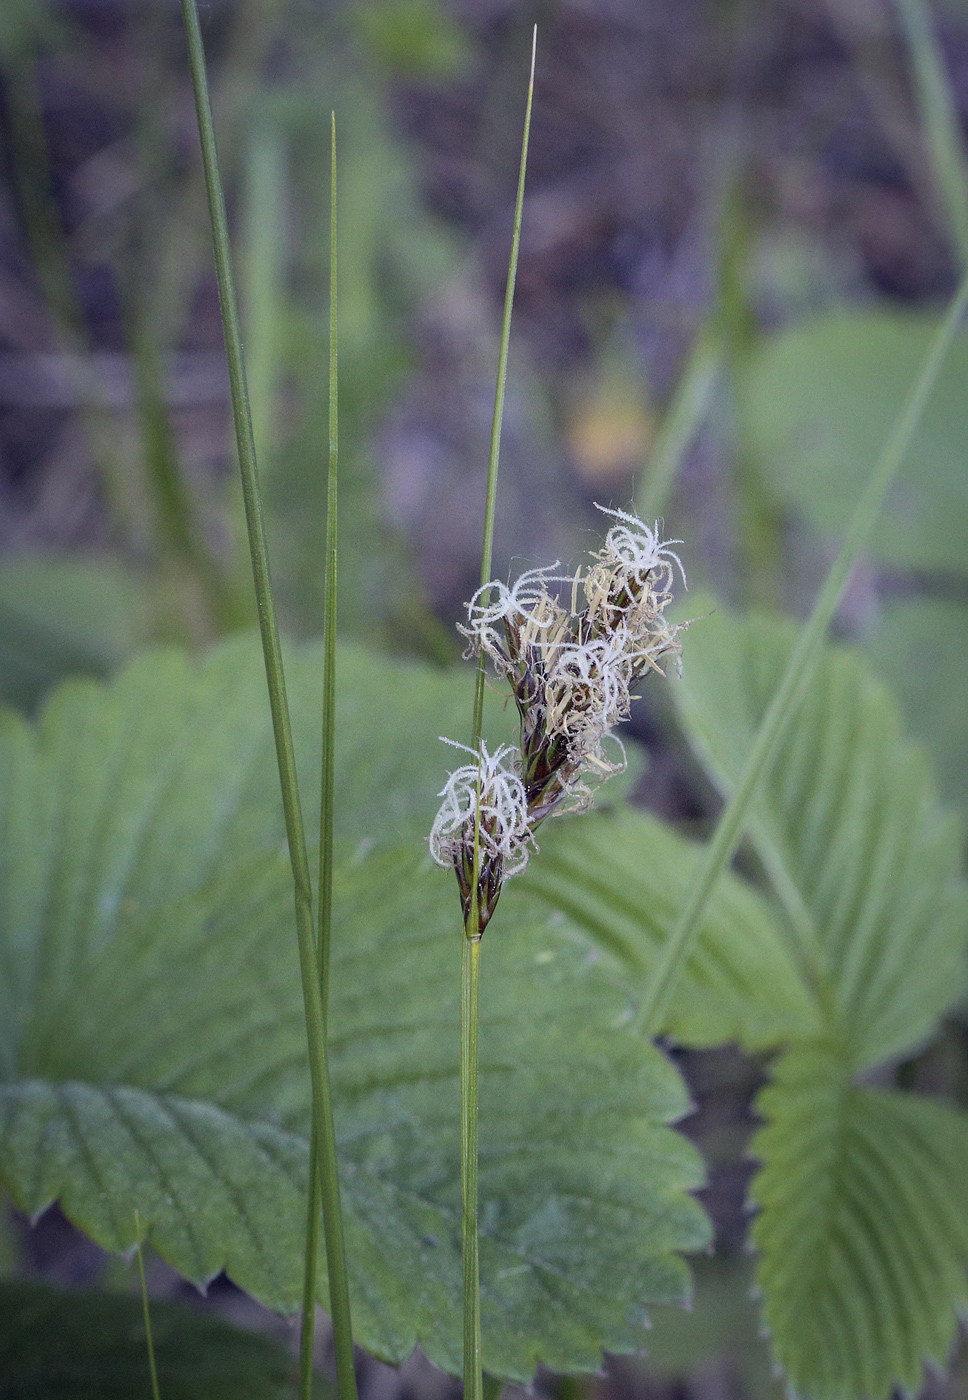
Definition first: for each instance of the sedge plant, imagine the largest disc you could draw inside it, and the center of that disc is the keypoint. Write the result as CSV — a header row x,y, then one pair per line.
x,y
570,648
571,666
570,670
474,862
323,1184
313,953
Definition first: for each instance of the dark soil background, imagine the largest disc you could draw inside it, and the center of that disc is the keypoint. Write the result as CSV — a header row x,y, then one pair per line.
x,y
762,158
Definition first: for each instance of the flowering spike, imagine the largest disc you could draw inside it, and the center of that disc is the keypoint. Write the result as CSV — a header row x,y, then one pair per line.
x,y
484,805
571,670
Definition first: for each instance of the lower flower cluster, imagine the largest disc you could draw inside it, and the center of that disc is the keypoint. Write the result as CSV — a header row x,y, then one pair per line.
x,y
571,667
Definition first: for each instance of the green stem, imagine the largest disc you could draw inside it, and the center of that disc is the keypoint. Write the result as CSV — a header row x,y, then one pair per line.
x,y
796,678
471,955
329,614
323,1178
470,983
323,1126
307,1333
254,25
939,118
502,377
144,1304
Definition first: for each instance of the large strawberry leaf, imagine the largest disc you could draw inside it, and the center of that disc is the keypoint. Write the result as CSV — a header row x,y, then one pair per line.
x,y
863,1229
622,876
153,1048
848,827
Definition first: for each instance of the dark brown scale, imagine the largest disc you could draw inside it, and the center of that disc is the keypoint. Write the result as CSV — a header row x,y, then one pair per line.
x,y
546,773
490,879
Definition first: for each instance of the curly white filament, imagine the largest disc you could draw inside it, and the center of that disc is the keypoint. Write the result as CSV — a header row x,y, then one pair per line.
x,y
494,789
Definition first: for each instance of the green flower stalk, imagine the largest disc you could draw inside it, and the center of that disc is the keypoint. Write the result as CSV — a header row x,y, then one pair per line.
x,y
571,670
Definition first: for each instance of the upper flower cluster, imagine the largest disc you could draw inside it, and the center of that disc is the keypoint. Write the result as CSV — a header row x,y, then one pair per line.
x,y
571,667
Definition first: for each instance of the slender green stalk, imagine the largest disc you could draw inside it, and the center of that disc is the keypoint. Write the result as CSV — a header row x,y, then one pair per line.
x,y
471,954
329,614
796,678
939,117
323,1126
323,1184
470,1000
502,377
253,26
144,1304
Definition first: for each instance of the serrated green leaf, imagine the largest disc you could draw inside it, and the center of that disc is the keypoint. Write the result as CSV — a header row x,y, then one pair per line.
x,y
155,1045
863,1228
848,828
863,1231
818,401
56,1345
622,876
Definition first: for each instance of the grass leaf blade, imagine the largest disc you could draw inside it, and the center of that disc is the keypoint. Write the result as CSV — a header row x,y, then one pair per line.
x,y
798,672
939,117
323,1176
323,1129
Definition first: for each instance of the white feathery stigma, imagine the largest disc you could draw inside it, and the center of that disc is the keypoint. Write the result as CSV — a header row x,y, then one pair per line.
x,y
633,546
504,827
536,616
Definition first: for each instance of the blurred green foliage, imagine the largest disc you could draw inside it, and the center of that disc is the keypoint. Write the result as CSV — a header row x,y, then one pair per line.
x,y
57,1345
818,402
175,528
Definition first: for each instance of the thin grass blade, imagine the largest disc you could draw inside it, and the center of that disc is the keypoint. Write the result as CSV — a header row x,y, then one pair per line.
x,y
152,1367
797,677
502,377
323,1176
323,1130
939,118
